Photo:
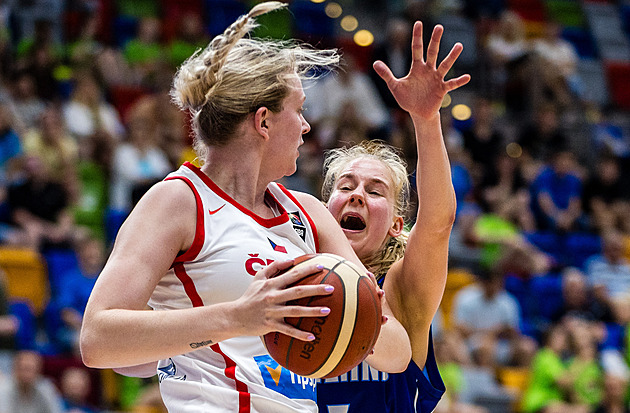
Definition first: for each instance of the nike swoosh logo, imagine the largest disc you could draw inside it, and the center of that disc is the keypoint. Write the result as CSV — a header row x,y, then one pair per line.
x,y
212,212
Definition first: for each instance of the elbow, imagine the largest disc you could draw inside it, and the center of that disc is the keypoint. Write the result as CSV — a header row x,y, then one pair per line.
x,y
91,352
88,353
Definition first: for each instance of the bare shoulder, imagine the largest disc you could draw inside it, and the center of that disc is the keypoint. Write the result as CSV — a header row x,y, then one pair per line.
x,y
168,209
309,202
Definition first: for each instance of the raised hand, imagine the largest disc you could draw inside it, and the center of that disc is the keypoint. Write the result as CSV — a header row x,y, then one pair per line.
x,y
421,92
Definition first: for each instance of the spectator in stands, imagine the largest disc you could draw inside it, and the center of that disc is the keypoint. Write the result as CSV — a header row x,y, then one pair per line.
x,y
40,61
28,106
74,291
85,49
556,64
144,53
614,399
190,37
453,357
488,317
557,195
506,193
52,143
543,136
39,207
10,144
606,197
610,270
508,50
394,51
483,140
346,98
138,162
28,390
583,366
550,380
75,389
87,112
579,300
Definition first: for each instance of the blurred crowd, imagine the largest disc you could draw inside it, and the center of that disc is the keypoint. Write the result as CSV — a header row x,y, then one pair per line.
x,y
536,311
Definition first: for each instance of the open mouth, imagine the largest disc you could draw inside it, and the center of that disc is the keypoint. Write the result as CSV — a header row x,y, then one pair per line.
x,y
352,222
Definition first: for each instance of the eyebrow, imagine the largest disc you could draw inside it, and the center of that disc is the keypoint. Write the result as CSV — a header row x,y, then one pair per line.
x,y
373,180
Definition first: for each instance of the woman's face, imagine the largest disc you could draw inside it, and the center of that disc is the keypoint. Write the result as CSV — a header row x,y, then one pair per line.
x,y
363,203
286,128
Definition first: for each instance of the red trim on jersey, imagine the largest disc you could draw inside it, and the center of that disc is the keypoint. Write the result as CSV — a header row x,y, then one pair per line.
x,y
308,217
265,222
189,285
230,372
200,235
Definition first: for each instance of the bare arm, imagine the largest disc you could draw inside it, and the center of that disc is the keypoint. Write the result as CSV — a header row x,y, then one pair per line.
x,y
415,284
393,335
117,330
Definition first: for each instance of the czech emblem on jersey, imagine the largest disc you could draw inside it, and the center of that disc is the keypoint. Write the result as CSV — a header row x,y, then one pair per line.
x,y
298,224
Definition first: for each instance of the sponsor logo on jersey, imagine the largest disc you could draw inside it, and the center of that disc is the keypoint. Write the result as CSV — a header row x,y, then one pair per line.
x,y
169,372
298,224
284,381
277,247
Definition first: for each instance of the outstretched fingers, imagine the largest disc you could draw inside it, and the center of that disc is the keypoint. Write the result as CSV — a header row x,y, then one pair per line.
x,y
417,46
453,84
384,72
450,59
434,46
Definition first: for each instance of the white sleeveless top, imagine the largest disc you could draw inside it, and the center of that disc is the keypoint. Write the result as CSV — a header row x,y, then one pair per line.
x,y
231,244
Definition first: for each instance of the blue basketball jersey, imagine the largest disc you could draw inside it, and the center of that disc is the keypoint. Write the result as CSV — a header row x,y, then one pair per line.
x,y
364,389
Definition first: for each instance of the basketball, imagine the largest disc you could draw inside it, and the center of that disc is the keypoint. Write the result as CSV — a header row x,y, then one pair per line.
x,y
345,336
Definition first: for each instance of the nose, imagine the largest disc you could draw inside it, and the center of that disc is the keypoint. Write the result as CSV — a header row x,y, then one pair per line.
x,y
356,198
306,127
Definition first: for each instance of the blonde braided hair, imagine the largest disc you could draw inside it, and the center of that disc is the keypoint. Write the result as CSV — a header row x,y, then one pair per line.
x,y
234,76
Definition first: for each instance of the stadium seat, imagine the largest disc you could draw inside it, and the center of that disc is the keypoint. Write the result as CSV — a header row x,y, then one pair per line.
x,y
618,77
26,275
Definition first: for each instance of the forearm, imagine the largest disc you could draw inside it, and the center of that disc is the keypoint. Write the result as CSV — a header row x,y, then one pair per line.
x,y
436,196
116,338
139,370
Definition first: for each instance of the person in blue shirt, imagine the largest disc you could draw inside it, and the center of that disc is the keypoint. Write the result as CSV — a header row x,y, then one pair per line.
x,y
366,188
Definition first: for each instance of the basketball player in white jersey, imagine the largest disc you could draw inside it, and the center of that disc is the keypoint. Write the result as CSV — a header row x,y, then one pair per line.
x,y
204,247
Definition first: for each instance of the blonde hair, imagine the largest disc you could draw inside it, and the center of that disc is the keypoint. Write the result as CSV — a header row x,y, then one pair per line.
x,y
335,163
234,76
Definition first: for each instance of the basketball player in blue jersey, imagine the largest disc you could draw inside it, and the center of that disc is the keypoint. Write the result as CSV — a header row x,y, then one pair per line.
x,y
203,247
366,188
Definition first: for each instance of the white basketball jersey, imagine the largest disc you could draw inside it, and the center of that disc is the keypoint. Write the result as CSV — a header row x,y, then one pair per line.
x,y
231,244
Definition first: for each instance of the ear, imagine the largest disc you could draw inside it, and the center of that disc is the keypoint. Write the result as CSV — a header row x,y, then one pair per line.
x,y
397,227
260,121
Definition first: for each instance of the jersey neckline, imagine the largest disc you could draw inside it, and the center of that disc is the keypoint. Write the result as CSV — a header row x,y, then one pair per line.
x,y
266,222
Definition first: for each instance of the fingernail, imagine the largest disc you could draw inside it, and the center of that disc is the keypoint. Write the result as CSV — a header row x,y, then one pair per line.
x,y
370,274
386,318
329,288
325,310
310,337
320,267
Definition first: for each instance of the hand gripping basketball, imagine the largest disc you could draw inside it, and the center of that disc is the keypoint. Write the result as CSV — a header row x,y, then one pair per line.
x,y
344,337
